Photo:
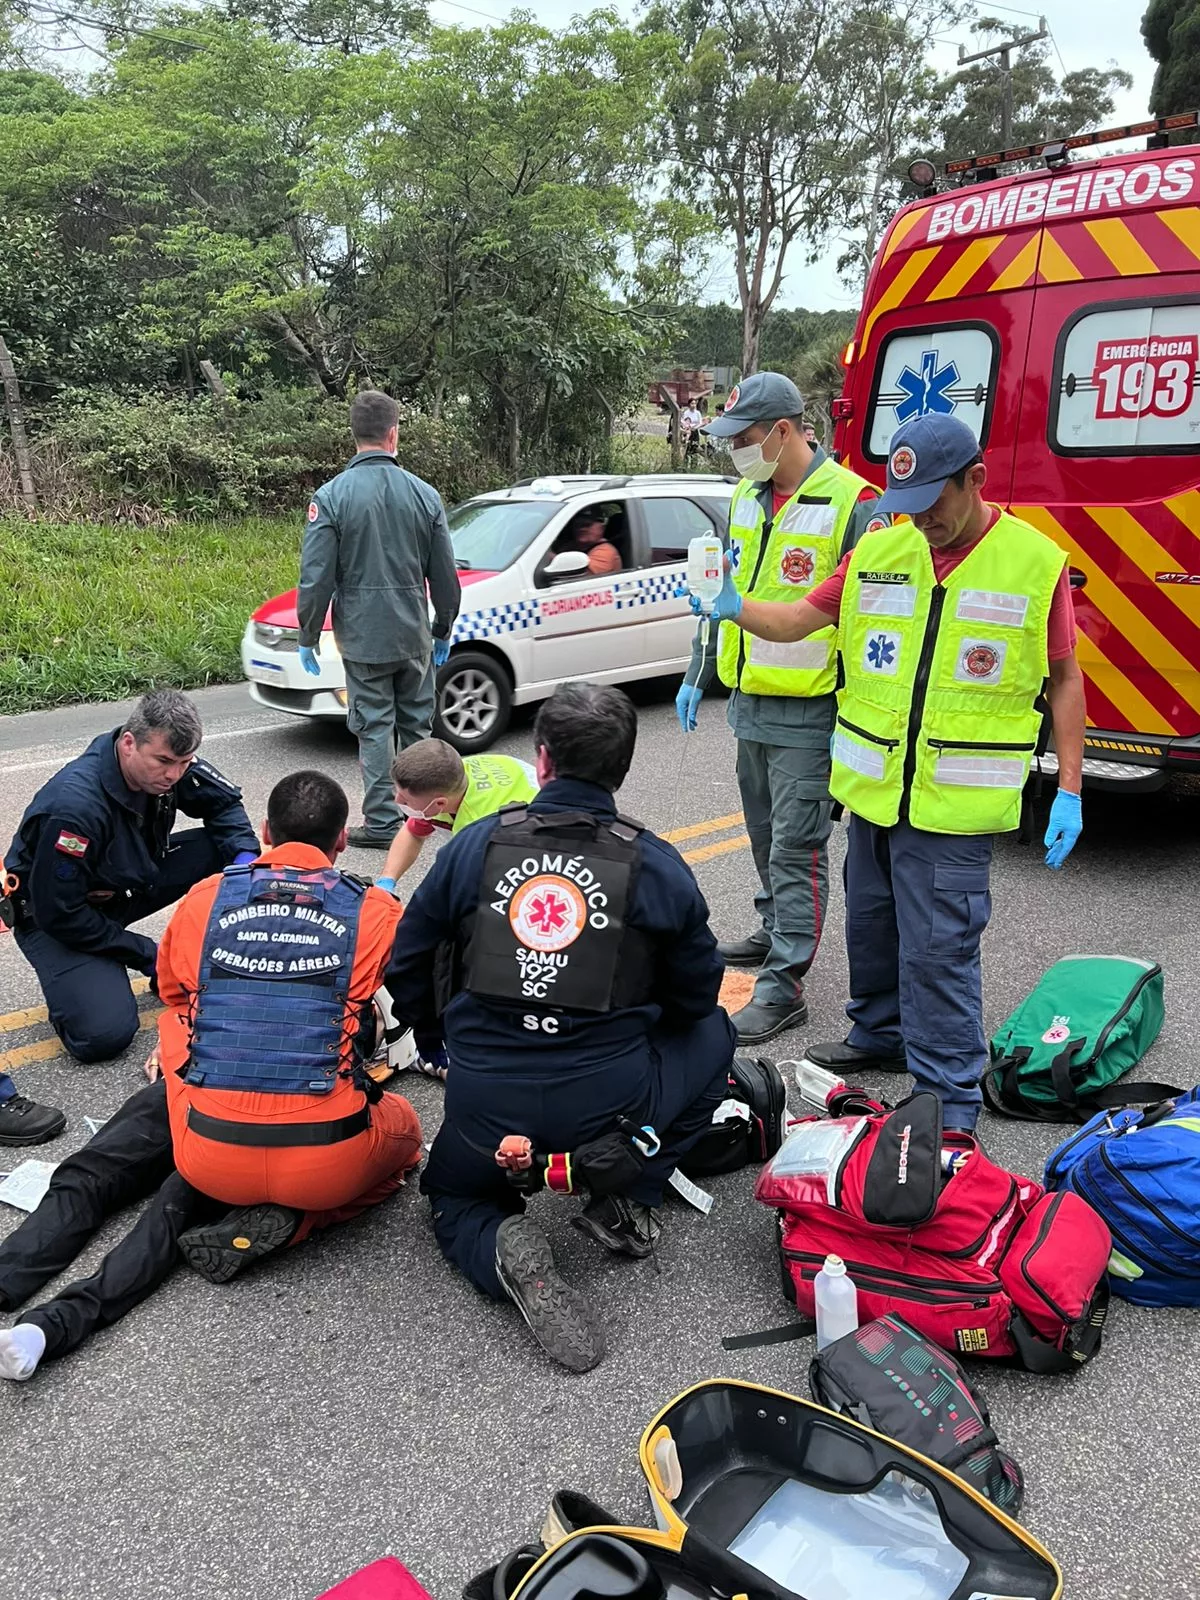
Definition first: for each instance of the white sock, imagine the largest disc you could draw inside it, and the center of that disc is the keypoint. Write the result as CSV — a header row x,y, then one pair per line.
x,y
21,1348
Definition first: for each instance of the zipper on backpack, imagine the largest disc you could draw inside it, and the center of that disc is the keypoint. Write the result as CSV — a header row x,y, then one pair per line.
x,y
1102,1036
1193,1244
1051,1212
926,1291
1136,1252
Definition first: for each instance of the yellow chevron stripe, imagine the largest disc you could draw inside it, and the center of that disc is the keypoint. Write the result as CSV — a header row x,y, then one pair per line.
x,y
1020,269
1112,682
1144,550
1125,617
1119,245
1055,265
901,232
1185,506
964,269
897,291
1184,223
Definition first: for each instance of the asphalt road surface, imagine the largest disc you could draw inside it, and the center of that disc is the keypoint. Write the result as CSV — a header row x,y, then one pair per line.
x,y
356,1397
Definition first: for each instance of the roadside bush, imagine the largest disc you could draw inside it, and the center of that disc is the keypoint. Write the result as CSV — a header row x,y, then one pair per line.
x,y
156,458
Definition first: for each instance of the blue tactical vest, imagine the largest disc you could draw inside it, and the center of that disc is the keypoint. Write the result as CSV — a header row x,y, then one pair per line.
x,y
274,976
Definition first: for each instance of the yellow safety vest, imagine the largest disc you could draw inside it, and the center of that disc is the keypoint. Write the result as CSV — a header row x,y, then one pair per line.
x,y
493,782
941,679
802,548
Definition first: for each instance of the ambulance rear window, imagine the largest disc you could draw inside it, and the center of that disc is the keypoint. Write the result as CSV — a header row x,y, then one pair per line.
x,y
948,369
1127,380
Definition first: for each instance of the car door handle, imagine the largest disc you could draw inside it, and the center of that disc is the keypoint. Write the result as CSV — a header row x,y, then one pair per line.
x,y
626,588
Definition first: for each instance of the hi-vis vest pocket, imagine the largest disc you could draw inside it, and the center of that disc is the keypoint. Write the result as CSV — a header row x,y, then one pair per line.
x,y
862,751
996,609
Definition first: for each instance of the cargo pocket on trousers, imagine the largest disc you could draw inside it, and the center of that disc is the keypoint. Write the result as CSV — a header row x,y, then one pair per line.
x,y
962,904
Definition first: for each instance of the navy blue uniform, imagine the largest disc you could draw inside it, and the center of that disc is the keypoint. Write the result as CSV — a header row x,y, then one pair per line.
x,y
92,856
559,1076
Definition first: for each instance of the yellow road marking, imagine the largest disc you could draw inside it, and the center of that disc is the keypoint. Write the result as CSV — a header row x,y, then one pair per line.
x,y
47,1049
696,830
722,848
12,1020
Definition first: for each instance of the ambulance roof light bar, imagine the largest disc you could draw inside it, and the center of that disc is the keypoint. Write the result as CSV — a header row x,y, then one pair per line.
x,y
1154,128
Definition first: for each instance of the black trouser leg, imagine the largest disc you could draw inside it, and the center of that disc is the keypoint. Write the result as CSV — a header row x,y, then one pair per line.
x,y
129,1272
127,1160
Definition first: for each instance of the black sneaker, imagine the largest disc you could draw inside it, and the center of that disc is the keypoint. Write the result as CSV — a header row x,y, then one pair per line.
x,y
220,1251
368,839
559,1317
758,1022
845,1059
749,952
23,1121
626,1227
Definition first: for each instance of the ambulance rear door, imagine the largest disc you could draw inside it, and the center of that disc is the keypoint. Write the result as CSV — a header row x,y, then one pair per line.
x,y
1108,441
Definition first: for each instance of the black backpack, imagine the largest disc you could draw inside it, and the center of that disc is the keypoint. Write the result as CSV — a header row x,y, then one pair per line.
x,y
754,1132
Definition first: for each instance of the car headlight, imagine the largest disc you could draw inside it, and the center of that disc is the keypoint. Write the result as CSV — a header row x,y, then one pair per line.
x,y
276,638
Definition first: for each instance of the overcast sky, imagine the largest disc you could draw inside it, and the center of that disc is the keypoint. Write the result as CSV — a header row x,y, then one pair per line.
x,y
1087,33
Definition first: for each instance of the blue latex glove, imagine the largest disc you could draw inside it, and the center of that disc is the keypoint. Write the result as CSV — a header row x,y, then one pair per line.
x,y
308,660
687,702
386,883
728,603
245,857
441,652
1066,824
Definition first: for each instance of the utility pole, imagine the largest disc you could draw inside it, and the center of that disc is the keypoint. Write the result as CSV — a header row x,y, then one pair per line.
x,y
1004,51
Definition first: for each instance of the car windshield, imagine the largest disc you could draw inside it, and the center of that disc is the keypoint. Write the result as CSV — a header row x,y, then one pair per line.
x,y
489,535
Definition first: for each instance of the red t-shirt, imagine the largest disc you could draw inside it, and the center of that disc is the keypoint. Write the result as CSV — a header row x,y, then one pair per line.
x,y
1060,629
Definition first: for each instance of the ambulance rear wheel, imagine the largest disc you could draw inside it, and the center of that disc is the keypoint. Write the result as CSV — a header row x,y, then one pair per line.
x,y
473,701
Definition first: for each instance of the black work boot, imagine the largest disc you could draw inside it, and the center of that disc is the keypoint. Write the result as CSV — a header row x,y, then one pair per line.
x,y
626,1227
558,1316
23,1121
748,952
845,1059
760,1021
368,839
221,1250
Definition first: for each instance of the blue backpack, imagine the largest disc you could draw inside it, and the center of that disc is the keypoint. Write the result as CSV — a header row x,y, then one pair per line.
x,y
1141,1171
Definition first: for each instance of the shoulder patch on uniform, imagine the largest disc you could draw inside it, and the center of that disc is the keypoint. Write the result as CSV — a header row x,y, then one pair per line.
x,y
878,522
204,769
314,511
72,844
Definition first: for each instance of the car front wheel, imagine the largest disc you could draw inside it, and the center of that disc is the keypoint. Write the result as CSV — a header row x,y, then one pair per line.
x,y
474,701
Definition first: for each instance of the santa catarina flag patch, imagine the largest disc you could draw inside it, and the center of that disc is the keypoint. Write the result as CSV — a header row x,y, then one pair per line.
x,y
71,844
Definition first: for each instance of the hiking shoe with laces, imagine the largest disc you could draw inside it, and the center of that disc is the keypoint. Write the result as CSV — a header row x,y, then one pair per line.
x,y
627,1227
23,1121
221,1250
558,1316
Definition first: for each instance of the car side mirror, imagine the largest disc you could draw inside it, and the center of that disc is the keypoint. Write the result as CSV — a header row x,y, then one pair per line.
x,y
566,564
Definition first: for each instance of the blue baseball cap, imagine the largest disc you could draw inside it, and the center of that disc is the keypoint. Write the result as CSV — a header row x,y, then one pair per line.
x,y
922,456
762,397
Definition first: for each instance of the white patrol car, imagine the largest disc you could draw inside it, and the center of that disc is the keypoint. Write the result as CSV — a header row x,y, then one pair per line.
x,y
531,615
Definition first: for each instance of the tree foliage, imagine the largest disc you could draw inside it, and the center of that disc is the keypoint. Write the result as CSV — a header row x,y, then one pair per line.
x,y
1171,29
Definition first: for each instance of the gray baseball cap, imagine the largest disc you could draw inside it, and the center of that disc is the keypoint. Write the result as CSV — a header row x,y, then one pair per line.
x,y
762,397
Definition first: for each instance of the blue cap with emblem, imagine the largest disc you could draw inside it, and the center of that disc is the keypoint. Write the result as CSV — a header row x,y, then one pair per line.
x,y
762,397
923,455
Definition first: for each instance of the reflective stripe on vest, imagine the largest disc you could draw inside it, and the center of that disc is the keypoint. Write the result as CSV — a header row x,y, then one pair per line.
x,y
493,782
802,549
941,680
275,970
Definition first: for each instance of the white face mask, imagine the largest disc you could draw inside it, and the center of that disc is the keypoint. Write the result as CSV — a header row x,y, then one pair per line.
x,y
751,463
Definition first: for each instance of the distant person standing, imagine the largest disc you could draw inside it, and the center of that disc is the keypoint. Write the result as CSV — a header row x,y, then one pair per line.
x,y
691,419
376,536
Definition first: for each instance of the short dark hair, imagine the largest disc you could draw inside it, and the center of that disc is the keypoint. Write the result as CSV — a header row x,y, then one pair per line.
x,y
959,478
373,415
171,713
588,730
429,767
307,808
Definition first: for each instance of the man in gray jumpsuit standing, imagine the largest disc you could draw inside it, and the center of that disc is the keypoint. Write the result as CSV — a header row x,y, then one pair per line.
x,y
376,536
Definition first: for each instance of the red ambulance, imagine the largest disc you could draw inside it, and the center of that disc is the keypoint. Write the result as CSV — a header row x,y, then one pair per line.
x,y
1057,311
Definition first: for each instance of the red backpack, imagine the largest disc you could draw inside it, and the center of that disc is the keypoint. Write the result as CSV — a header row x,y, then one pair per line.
x,y
979,1261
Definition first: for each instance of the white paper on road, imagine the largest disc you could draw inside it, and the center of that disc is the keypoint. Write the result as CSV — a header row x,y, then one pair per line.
x,y
26,1184
691,1192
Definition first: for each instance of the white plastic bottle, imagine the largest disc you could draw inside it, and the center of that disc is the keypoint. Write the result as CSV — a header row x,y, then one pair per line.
x,y
705,570
816,1086
837,1302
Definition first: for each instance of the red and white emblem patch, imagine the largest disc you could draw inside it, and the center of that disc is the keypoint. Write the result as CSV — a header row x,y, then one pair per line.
x,y
735,394
797,565
314,511
876,523
981,661
547,913
72,844
903,463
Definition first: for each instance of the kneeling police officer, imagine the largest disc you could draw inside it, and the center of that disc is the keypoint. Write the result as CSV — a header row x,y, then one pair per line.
x,y
95,852
582,981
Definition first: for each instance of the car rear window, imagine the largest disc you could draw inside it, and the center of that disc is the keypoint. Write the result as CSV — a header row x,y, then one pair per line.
x,y
489,535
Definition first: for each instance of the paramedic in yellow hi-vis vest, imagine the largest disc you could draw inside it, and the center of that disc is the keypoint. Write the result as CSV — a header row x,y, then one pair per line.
x,y
793,516
951,628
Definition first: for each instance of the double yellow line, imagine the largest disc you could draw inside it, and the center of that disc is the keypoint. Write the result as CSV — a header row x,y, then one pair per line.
x,y
732,827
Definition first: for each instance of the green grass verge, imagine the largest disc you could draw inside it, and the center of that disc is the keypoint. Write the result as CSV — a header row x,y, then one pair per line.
x,y
98,612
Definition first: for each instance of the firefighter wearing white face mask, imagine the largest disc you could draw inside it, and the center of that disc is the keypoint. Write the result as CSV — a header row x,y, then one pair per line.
x,y
794,515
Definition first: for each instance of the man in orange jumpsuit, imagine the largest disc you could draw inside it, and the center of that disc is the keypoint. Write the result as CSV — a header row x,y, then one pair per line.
x,y
268,972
